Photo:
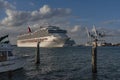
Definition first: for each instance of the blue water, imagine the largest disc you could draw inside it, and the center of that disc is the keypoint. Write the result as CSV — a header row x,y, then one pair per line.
x,y
69,63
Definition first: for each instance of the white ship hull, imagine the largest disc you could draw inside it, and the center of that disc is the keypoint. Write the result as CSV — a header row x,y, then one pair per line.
x,y
11,65
43,44
49,41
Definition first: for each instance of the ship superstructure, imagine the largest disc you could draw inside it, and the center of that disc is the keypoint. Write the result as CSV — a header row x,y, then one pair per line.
x,y
50,36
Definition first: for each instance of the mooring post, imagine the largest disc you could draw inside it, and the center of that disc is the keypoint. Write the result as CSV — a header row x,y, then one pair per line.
x,y
10,74
94,56
37,58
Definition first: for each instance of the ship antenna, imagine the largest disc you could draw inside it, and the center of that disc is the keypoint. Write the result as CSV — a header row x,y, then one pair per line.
x,y
95,31
87,32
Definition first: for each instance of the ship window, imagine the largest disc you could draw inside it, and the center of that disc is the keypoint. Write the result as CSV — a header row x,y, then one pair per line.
x,y
3,56
57,31
3,53
10,53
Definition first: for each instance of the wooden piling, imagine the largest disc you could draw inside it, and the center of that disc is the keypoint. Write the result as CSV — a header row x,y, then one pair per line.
x,y
37,58
94,57
9,74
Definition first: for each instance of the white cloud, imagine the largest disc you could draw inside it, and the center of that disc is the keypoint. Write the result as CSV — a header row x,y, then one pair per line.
x,y
76,28
15,18
45,9
5,5
18,18
78,33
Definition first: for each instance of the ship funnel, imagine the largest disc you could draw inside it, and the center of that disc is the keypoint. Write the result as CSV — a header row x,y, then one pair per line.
x,y
29,30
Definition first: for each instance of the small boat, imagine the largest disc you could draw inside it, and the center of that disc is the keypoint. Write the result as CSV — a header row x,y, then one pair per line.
x,y
8,61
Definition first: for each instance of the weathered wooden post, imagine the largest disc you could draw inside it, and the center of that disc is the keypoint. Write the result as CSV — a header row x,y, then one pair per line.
x,y
9,74
37,58
94,56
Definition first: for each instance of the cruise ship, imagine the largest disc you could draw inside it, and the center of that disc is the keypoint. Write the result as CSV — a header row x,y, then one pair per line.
x,y
48,36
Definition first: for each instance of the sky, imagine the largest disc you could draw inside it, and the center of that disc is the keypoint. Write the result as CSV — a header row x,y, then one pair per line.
x,y
72,15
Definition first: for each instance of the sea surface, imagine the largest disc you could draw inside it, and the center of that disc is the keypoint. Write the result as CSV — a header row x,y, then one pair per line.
x,y
68,63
